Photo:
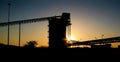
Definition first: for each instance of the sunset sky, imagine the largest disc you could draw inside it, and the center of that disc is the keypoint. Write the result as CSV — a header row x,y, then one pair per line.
x,y
90,18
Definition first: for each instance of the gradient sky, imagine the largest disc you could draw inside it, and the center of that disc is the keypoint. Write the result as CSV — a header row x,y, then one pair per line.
x,y
90,18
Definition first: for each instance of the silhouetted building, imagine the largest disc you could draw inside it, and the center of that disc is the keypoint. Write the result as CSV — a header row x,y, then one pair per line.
x,y
57,31
57,28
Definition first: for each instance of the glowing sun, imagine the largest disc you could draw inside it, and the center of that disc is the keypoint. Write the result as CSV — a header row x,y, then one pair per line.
x,y
70,38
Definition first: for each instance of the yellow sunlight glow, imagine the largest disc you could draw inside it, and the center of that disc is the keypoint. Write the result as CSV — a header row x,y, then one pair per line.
x,y
70,38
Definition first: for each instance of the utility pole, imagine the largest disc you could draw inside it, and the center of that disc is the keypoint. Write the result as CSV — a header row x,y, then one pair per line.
x,y
19,33
102,36
9,4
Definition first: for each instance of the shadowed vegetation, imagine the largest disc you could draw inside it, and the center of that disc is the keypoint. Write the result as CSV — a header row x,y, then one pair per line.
x,y
31,44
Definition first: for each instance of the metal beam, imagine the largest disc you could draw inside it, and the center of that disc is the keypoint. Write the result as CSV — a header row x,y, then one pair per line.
x,y
26,21
98,41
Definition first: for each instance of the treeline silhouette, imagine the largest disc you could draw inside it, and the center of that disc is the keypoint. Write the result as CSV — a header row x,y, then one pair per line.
x,y
30,44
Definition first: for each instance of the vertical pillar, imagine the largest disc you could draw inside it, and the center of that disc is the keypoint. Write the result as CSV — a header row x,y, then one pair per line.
x,y
19,33
8,22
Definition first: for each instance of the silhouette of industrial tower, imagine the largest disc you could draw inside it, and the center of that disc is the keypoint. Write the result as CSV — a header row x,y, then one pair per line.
x,y
57,31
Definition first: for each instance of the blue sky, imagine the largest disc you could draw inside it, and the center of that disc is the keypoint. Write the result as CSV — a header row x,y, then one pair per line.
x,y
90,18
39,8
